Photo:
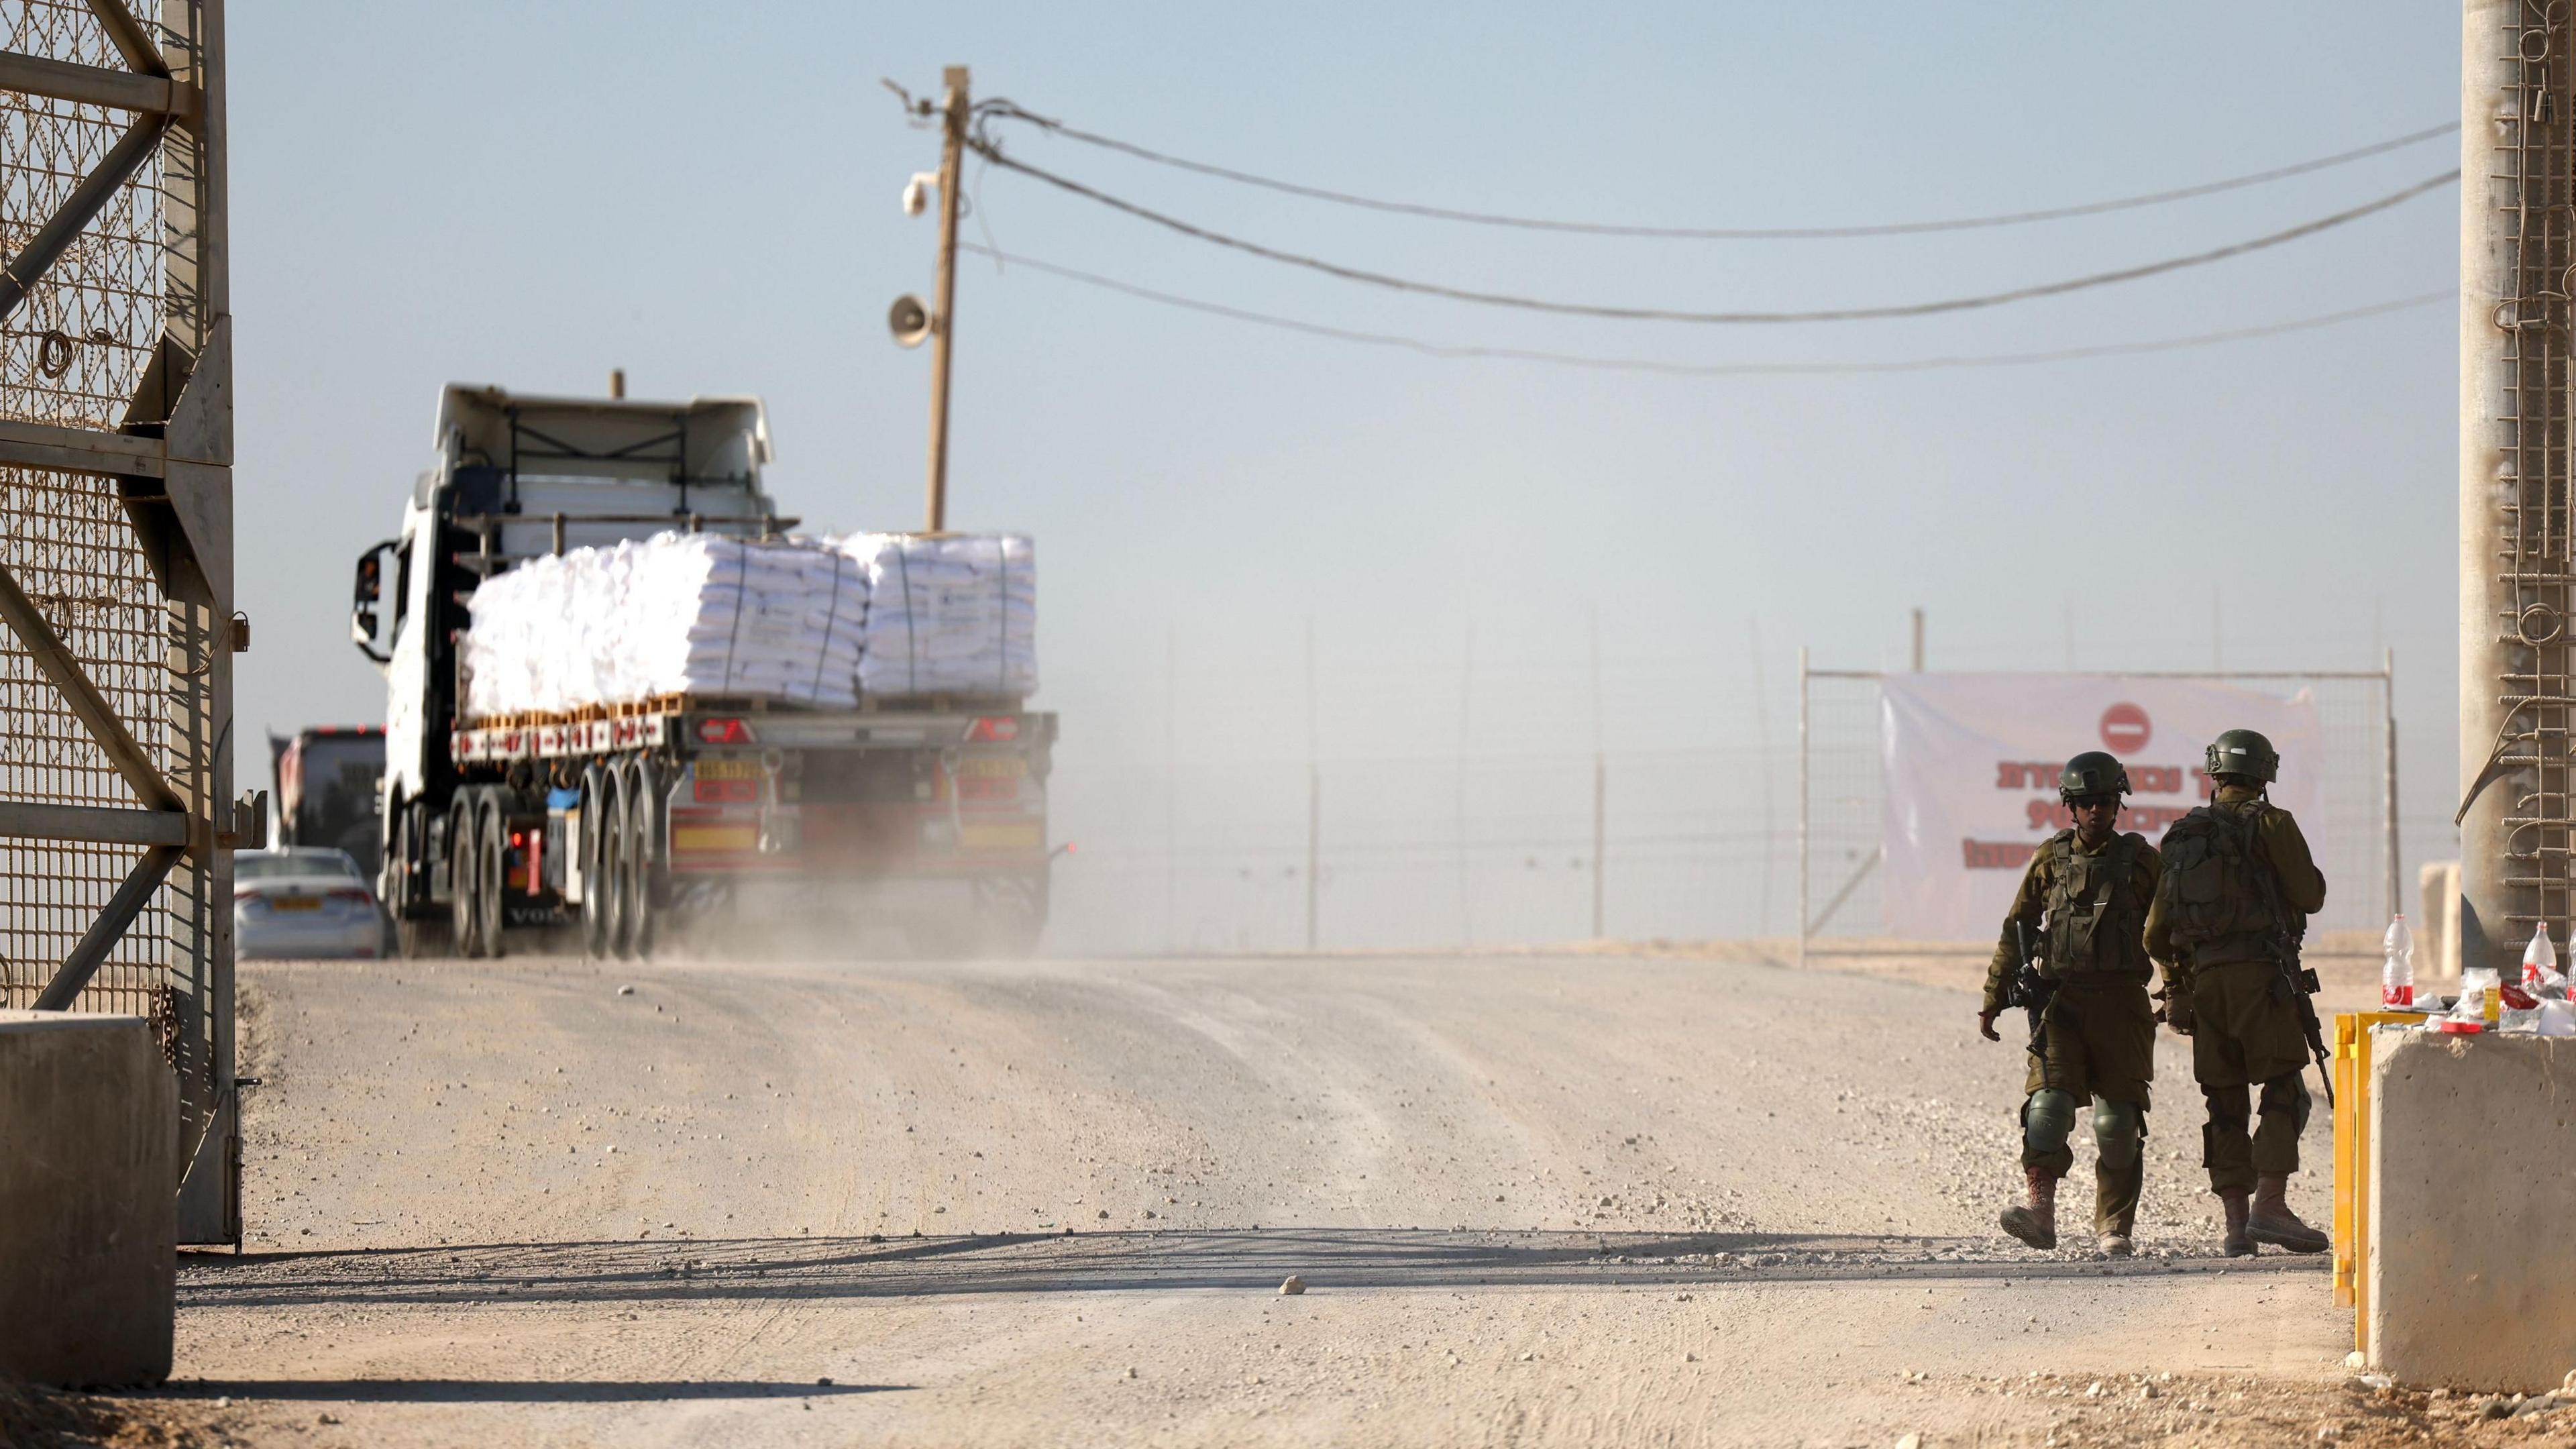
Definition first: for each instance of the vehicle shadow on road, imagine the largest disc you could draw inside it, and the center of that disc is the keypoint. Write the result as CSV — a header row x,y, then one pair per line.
x,y
507,1391
1106,1262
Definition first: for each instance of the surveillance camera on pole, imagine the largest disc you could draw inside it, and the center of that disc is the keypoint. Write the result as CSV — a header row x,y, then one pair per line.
x,y
916,192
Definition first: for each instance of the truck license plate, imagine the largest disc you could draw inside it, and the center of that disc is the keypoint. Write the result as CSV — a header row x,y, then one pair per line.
x,y
728,769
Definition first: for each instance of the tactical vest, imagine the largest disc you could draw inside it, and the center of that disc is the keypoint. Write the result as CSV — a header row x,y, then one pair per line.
x,y
2096,918
2225,904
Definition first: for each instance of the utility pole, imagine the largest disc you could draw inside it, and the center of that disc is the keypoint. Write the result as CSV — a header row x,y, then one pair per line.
x,y
2388,702
1762,737
1918,641
943,315
1171,787
1600,776
1466,699
1314,796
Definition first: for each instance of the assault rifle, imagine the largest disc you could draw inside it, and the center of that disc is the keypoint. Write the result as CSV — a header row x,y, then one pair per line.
x,y
2029,990
2299,984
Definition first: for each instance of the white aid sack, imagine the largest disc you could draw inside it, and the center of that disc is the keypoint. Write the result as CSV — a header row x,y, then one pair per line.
x,y
696,614
948,614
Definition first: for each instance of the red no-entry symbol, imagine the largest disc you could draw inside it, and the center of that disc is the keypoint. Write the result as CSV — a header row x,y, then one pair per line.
x,y
2125,729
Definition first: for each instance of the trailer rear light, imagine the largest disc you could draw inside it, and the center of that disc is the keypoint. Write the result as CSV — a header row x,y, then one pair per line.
x,y
723,732
999,729
518,838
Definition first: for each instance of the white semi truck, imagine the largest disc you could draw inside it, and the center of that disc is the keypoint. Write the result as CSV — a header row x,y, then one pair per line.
x,y
923,814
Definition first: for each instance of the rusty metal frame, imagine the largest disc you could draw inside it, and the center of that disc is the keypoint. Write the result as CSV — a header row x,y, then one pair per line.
x,y
165,463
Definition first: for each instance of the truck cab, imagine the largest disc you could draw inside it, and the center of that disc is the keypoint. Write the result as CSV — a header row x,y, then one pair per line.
x,y
328,784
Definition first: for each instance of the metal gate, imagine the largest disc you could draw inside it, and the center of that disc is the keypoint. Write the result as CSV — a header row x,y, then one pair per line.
x,y
116,577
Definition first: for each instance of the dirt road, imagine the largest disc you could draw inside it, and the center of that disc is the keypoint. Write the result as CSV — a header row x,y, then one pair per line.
x,y
1535,1200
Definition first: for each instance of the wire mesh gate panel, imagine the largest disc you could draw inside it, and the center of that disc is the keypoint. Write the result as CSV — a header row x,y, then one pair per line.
x,y
116,616
1842,796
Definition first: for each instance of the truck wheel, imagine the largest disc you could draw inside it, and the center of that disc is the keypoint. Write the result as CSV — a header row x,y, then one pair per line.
x,y
594,892
493,837
406,889
1010,913
465,918
608,887
638,904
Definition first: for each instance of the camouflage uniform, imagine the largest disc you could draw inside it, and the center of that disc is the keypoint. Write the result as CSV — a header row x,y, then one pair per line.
x,y
2099,1033
2244,1029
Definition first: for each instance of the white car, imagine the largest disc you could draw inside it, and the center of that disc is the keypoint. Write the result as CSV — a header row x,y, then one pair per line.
x,y
304,902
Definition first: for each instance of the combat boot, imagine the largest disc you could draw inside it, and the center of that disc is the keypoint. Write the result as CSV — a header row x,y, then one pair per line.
x,y
2271,1221
2115,1206
2036,1223
2237,1244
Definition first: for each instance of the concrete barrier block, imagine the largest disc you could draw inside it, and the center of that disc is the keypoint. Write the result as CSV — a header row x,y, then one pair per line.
x,y
2471,1201
89,1224
2437,922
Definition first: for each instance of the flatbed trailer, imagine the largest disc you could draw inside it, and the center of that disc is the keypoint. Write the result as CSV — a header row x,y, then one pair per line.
x,y
931,820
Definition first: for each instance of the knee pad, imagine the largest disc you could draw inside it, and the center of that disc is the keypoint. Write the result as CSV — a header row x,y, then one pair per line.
x,y
2289,1093
2119,1130
2046,1119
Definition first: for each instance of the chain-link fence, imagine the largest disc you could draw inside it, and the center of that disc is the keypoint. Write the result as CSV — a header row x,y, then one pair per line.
x,y
1843,795
1426,853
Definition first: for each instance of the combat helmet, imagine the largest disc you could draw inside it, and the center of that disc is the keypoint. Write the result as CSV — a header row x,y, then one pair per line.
x,y
2092,773
2243,752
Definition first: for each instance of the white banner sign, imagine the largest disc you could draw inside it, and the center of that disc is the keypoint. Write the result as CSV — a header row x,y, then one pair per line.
x,y
1971,766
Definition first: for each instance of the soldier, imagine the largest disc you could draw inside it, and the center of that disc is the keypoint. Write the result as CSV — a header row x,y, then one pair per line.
x,y
2238,889
2097,1035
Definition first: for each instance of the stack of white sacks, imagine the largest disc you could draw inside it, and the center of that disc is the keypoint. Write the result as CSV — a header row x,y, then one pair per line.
x,y
798,622
672,614
948,614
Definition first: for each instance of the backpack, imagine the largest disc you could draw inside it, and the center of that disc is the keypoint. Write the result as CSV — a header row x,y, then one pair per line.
x,y
2221,888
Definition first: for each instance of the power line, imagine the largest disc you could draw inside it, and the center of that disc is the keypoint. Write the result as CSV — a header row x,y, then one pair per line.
x,y
995,155
1005,110
1720,369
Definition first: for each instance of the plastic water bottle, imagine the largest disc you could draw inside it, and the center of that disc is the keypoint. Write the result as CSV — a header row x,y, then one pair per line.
x,y
2540,961
2397,969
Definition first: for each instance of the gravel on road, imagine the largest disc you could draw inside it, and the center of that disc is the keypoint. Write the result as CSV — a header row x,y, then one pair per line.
x,y
1532,1199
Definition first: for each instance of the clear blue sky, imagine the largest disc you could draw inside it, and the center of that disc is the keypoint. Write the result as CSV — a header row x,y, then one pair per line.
x,y
532,194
